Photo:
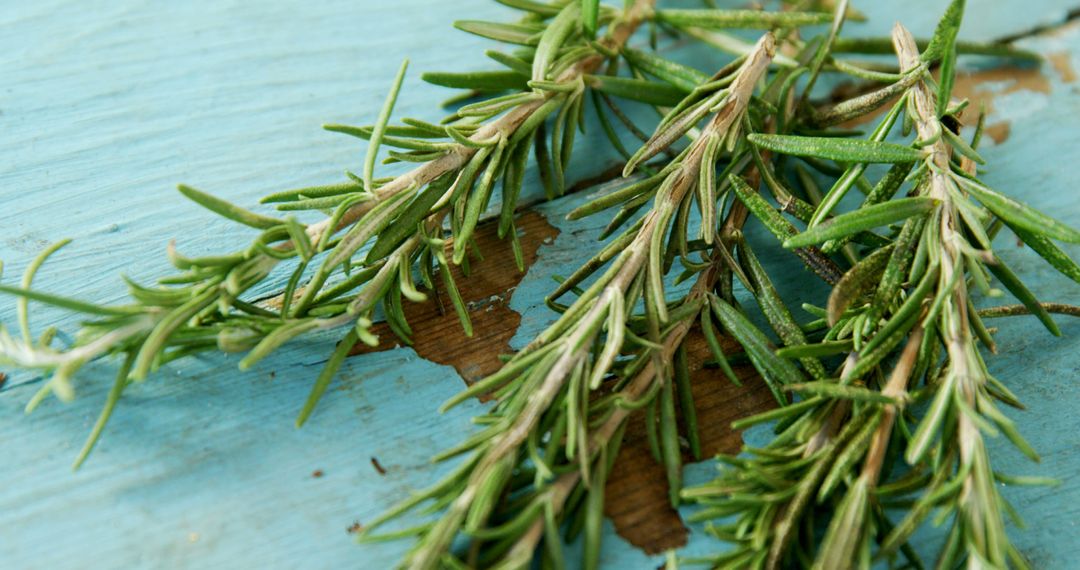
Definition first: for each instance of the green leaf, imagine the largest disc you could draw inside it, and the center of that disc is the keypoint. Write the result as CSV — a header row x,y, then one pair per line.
x,y
686,400
325,191
863,104
858,280
825,47
833,390
960,145
380,127
669,442
271,342
930,425
519,65
159,337
897,270
827,348
1049,251
326,375
643,90
847,530
775,370
628,192
228,210
881,346
594,515
1018,214
794,408
709,332
406,223
530,6
762,210
455,296
677,74
839,150
947,77
22,306
521,34
776,312
117,389
666,135
884,190
1027,480
553,38
854,172
373,223
944,38
783,229
477,202
389,140
66,303
478,80
512,182
298,236
884,46
1022,293
590,12
750,19
862,219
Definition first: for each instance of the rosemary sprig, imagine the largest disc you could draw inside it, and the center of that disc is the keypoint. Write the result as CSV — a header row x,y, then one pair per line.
x,y
831,490
545,391
380,232
836,444
363,255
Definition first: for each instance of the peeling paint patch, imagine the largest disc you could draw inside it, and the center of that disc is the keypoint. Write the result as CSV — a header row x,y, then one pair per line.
x,y
1062,63
643,515
998,132
487,290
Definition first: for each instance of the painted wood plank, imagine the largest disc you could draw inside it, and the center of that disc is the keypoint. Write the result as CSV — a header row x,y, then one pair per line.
x,y
106,105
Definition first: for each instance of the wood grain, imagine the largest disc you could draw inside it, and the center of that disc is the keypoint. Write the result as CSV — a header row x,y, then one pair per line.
x,y
107,105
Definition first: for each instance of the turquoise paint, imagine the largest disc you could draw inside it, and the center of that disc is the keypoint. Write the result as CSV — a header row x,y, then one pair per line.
x,y
106,105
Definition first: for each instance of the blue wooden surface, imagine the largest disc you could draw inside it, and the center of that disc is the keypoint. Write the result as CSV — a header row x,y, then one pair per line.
x,y
104,106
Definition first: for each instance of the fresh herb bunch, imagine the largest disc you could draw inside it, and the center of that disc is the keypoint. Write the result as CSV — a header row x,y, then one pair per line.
x,y
379,232
900,312
903,314
539,464
549,438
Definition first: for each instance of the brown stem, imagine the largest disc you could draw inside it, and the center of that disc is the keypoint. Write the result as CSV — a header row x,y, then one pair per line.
x,y
1016,310
978,507
634,390
896,388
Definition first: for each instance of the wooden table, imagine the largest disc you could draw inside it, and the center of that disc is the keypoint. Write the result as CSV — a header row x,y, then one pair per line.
x,y
104,106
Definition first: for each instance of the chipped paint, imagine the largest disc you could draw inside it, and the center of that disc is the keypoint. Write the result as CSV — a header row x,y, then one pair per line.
x,y
998,132
487,290
1062,62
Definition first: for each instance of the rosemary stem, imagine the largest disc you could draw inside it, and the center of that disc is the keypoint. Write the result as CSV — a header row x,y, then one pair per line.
x,y
578,326
895,388
1016,310
640,384
979,509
